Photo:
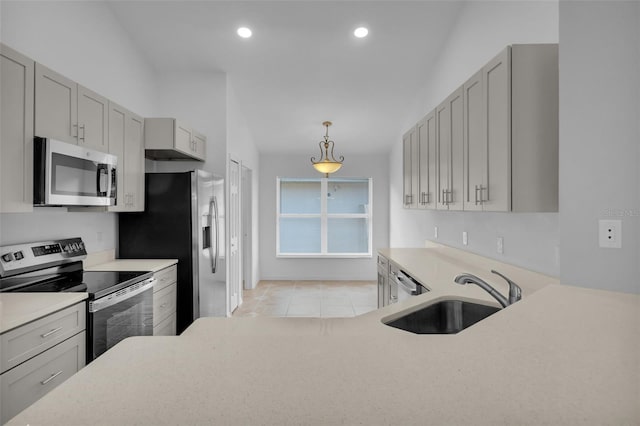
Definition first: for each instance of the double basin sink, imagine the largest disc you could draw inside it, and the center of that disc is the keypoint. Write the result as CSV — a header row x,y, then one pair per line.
x,y
444,317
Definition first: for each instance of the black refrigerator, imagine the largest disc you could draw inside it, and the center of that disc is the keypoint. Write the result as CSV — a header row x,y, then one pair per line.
x,y
184,220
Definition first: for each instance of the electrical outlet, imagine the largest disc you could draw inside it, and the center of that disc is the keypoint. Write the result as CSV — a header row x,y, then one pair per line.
x,y
500,245
435,232
465,239
610,233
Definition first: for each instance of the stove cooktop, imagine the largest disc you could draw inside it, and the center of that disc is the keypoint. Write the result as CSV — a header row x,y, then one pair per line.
x,y
97,284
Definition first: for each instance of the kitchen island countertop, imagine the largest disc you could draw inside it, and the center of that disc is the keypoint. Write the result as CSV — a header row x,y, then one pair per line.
x,y
562,355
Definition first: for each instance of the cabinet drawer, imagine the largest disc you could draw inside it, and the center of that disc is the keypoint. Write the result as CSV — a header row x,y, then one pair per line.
x,y
165,277
27,341
164,303
31,380
167,327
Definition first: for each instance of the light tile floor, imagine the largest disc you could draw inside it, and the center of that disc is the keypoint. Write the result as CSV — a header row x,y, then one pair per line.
x,y
322,299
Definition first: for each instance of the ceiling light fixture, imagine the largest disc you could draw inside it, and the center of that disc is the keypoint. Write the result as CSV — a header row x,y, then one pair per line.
x,y
361,32
327,162
244,32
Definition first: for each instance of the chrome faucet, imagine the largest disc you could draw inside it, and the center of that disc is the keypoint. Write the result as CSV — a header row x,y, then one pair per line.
x,y
515,292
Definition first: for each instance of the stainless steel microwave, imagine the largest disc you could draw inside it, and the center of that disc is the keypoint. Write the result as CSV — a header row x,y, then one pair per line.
x,y
70,175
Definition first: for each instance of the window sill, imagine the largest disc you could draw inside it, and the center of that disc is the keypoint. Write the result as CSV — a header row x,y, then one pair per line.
x,y
325,256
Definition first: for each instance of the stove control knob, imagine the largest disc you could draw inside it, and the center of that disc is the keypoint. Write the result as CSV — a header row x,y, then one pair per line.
x,y
8,257
18,255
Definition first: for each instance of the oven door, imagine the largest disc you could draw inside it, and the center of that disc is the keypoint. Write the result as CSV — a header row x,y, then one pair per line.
x,y
116,316
66,174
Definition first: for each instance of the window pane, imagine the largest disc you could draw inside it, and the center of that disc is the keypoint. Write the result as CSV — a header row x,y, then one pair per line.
x,y
348,235
299,197
348,196
300,235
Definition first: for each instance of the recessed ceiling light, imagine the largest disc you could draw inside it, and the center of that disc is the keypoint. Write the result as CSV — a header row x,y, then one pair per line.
x,y
244,32
361,32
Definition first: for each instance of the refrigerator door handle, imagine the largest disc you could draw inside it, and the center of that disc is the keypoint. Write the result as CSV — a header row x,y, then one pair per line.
x,y
213,227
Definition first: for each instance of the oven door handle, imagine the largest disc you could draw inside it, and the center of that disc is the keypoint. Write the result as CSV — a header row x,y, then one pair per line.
x,y
121,295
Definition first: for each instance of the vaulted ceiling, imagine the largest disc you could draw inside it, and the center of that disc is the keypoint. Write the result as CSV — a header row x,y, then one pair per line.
x,y
302,65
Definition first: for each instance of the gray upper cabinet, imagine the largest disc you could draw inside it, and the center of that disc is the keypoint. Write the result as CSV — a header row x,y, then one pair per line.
x,y
511,132
200,145
93,111
476,172
410,168
126,140
493,160
66,111
56,107
171,139
496,138
16,131
449,125
427,163
534,128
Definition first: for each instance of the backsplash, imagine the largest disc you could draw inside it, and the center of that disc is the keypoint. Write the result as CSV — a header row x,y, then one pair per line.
x,y
97,230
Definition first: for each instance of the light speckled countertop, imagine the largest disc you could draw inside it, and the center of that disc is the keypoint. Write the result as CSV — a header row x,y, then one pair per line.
x,y
562,355
17,309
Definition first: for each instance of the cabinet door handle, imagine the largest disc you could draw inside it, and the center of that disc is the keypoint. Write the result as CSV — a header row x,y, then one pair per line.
x,y
480,199
424,198
49,333
445,197
75,130
81,127
53,376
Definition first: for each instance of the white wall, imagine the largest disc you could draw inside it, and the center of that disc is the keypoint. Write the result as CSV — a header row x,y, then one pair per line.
x,y
241,146
84,42
198,98
355,165
482,31
599,141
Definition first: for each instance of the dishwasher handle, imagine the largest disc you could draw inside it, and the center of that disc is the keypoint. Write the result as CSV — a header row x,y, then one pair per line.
x,y
407,285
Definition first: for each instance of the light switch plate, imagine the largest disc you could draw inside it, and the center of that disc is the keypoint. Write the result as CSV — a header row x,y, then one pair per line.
x,y
435,232
500,245
610,233
465,238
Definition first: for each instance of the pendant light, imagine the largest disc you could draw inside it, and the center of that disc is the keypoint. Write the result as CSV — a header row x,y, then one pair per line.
x,y
327,162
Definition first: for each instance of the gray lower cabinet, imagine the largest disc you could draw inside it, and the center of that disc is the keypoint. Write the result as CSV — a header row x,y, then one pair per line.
x,y
38,356
164,302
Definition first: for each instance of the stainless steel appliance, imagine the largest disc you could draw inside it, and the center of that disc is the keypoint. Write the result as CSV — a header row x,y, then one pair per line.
x,y
184,220
70,175
402,285
120,303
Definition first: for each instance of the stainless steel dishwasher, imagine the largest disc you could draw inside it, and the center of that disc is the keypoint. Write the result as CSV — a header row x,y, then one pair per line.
x,y
402,285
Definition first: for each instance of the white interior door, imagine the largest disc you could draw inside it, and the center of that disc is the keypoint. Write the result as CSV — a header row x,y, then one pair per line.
x,y
234,235
247,244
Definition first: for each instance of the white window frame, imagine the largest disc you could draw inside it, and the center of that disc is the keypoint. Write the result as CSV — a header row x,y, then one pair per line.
x,y
324,219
